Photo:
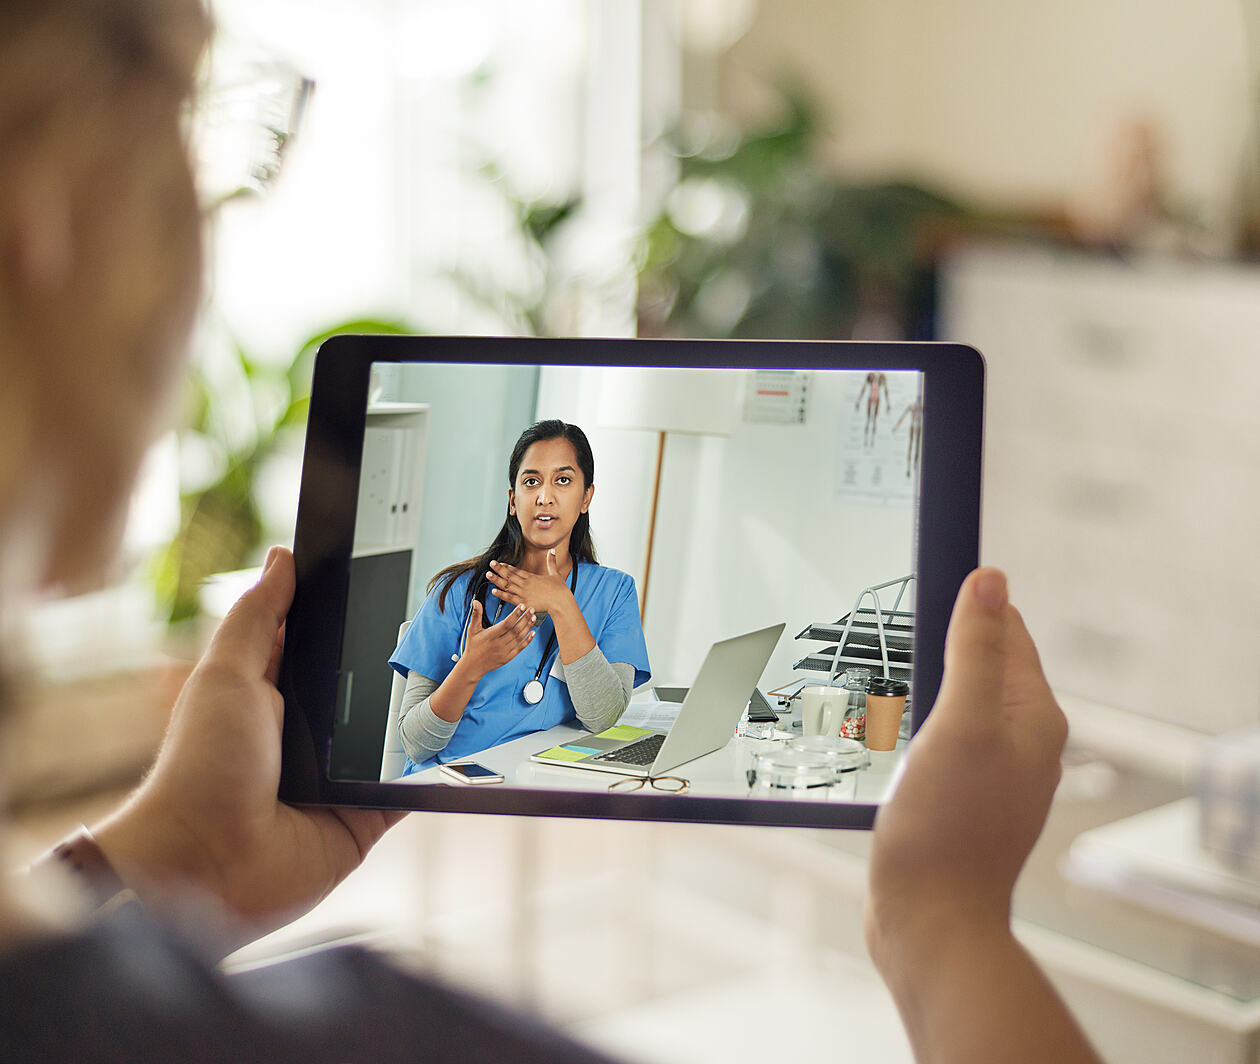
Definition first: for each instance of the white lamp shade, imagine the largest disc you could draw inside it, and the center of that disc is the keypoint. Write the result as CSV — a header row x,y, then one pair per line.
x,y
703,402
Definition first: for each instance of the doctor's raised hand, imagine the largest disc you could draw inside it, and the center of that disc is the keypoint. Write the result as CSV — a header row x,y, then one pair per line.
x,y
950,844
491,646
543,592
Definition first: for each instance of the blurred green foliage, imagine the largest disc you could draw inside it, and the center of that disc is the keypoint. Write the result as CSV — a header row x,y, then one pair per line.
x,y
761,239
221,525
523,310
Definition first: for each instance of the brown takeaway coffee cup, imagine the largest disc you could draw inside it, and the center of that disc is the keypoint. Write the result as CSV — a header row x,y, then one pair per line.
x,y
885,703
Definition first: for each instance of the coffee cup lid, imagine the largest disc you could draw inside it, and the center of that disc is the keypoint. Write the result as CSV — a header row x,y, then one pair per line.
x,y
886,686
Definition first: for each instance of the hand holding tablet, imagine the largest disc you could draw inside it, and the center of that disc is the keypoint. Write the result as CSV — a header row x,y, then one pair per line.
x,y
206,820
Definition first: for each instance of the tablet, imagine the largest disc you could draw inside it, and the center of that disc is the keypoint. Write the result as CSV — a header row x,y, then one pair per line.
x,y
698,495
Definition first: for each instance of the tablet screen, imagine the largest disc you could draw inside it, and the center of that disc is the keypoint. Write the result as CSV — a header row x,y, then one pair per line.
x,y
706,582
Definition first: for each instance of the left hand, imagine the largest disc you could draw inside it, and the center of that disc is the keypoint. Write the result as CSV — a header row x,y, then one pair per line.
x,y
542,593
950,843
207,817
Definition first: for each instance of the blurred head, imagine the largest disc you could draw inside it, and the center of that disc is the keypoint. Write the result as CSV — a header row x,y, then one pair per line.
x,y
99,266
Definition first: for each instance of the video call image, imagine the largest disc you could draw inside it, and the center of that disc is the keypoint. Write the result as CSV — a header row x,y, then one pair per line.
x,y
653,581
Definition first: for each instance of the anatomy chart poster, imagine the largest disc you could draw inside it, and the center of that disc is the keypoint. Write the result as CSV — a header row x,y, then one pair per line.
x,y
879,438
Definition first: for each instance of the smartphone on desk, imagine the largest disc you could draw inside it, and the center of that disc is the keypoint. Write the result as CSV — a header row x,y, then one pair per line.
x,y
471,772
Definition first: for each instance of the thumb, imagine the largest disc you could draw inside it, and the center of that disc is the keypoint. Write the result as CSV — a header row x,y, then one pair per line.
x,y
477,611
552,569
247,636
976,649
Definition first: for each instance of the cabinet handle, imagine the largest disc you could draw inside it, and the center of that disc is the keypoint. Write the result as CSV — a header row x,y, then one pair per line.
x,y
345,704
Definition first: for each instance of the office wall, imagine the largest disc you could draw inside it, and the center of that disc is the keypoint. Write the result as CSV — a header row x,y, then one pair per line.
x,y
750,531
1009,101
470,438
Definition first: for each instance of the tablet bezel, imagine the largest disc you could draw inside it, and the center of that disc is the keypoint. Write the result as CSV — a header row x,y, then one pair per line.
x,y
947,548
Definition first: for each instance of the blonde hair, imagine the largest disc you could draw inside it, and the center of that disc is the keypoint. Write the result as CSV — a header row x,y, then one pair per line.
x,y
92,94
59,54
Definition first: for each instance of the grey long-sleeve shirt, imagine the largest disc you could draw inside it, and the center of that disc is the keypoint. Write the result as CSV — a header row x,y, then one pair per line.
x,y
600,691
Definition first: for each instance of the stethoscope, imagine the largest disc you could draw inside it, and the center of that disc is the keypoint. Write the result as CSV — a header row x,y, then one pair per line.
x,y
534,690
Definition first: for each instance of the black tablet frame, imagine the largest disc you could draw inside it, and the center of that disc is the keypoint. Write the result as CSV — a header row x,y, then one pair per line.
x,y
947,548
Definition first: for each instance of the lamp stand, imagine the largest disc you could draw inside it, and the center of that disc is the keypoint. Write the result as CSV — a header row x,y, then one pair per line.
x,y
656,496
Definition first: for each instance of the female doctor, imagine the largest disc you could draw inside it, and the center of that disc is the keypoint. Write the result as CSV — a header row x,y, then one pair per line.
x,y
531,633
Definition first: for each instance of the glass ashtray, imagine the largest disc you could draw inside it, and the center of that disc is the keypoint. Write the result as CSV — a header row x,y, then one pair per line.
x,y
845,755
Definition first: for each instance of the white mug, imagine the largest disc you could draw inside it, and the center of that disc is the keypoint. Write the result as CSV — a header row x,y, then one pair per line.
x,y
822,709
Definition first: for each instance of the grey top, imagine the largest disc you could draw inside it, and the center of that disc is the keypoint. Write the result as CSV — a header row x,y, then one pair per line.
x,y
130,990
600,691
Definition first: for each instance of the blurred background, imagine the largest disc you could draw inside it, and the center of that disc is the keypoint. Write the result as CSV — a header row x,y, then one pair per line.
x,y
1072,188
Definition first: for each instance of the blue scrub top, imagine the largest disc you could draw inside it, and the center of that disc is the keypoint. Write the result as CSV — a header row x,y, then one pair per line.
x,y
497,710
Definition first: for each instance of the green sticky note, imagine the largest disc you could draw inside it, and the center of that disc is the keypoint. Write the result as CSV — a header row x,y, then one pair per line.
x,y
624,731
563,753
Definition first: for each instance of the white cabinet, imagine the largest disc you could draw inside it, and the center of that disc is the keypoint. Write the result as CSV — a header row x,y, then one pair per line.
x,y
1122,470
386,533
391,477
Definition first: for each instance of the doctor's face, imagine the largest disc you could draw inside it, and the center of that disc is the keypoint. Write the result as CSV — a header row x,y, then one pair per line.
x,y
549,493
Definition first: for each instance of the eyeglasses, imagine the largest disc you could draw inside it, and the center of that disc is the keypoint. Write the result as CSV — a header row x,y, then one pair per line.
x,y
666,784
243,121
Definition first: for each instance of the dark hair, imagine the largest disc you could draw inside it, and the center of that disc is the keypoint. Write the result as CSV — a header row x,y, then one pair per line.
x,y
509,545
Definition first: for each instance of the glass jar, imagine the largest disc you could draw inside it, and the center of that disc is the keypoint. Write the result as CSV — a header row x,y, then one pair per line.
x,y
854,725
792,774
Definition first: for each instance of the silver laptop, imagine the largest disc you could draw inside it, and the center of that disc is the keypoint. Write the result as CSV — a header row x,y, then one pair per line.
x,y
706,719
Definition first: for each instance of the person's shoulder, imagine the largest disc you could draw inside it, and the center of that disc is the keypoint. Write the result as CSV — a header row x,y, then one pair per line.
x,y
604,573
126,974
459,583
614,582
456,592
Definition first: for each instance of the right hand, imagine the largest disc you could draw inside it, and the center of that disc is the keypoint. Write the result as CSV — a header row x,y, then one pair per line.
x,y
490,647
978,781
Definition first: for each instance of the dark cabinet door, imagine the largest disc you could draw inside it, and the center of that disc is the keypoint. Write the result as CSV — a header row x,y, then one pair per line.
x,y
376,605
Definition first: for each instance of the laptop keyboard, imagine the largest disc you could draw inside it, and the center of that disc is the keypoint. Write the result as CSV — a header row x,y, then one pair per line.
x,y
642,752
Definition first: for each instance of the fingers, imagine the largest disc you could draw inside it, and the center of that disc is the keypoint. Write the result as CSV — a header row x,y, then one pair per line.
x,y
1028,695
503,641
1025,674
363,828
518,622
515,632
976,650
504,592
277,654
501,576
992,669
247,637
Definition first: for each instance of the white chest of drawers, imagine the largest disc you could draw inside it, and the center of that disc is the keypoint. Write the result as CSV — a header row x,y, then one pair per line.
x,y
1122,480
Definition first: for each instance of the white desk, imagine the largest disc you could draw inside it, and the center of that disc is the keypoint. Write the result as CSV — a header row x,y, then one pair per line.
x,y
721,774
